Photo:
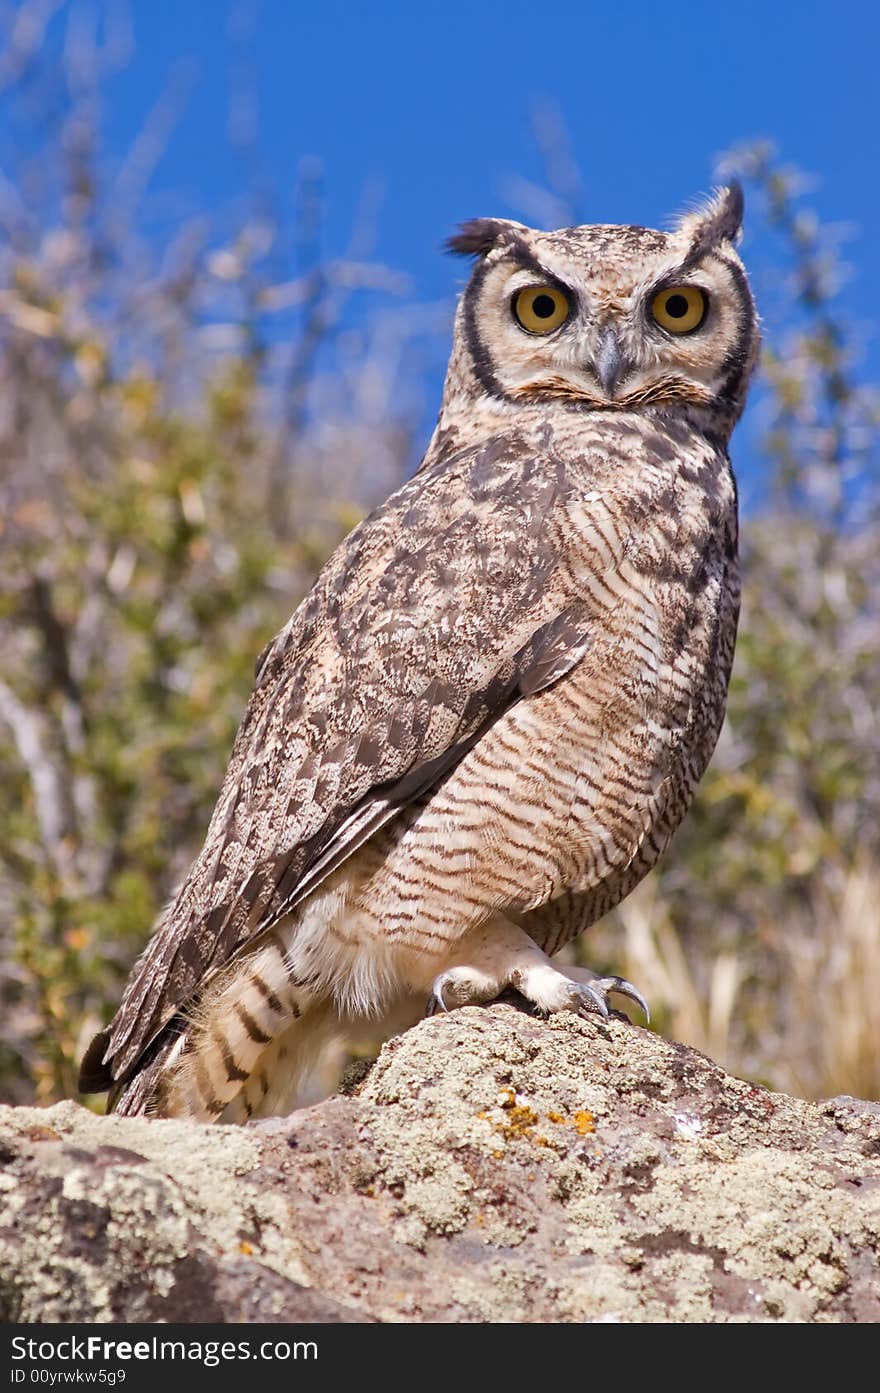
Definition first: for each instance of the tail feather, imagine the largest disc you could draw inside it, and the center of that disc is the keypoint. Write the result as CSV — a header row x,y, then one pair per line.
x,y
134,1093
241,1017
94,1075
232,1054
138,1094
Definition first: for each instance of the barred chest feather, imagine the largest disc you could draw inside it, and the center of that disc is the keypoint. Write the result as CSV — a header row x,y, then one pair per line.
x,y
570,797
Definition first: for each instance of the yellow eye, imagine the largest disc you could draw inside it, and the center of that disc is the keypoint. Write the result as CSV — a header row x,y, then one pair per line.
x,y
680,309
539,309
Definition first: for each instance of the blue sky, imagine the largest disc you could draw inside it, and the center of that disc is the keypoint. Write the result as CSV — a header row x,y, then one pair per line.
x,y
434,101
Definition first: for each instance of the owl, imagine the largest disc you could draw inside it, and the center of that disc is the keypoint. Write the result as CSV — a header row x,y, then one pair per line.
x,y
483,724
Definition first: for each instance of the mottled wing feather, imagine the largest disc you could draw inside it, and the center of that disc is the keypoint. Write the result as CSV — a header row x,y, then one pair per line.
x,y
551,652
446,605
551,657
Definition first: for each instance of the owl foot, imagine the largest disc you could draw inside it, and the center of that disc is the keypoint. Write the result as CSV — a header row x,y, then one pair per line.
x,y
537,979
599,986
590,995
460,986
575,989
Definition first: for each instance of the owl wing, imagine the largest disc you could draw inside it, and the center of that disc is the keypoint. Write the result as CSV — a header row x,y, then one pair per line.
x,y
452,601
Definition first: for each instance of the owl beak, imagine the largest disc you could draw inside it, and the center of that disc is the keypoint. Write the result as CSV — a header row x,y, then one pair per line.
x,y
610,365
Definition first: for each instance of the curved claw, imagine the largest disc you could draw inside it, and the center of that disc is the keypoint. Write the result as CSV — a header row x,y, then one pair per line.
x,y
596,997
435,1000
625,988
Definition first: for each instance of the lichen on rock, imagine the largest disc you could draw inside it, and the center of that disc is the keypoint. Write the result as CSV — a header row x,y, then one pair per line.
x,y
489,1167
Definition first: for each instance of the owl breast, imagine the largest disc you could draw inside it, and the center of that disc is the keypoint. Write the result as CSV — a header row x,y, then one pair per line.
x,y
660,686
570,797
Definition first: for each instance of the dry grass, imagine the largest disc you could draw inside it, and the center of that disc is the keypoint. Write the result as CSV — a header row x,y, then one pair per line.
x,y
833,998
802,1015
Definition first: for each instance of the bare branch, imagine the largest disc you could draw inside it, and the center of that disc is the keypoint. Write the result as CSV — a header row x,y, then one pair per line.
x,y
31,735
25,38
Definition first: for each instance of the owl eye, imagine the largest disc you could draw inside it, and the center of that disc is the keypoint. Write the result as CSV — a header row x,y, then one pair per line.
x,y
680,309
539,309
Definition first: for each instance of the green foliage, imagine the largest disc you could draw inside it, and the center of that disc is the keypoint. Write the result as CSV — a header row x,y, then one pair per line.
x,y
141,592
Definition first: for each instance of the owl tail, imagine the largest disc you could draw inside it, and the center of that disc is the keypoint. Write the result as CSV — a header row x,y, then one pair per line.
x,y
136,1094
250,1029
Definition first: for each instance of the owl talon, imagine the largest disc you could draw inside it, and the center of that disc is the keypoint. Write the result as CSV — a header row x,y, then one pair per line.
x,y
435,1000
625,988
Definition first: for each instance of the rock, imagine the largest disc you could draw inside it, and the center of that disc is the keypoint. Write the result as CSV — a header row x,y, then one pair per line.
x,y
489,1167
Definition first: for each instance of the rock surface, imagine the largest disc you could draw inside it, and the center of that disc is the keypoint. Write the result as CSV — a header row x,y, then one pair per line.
x,y
489,1167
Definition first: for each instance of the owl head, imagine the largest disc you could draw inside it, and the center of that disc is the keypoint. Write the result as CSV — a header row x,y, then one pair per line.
x,y
610,318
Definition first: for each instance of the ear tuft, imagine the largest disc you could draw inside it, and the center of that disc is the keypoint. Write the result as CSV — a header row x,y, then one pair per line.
x,y
718,220
477,237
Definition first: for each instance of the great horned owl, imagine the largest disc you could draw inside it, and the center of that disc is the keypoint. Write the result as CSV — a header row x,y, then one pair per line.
x,y
482,726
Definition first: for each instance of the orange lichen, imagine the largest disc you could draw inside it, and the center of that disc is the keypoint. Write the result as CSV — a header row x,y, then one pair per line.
x,y
41,1133
520,1120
